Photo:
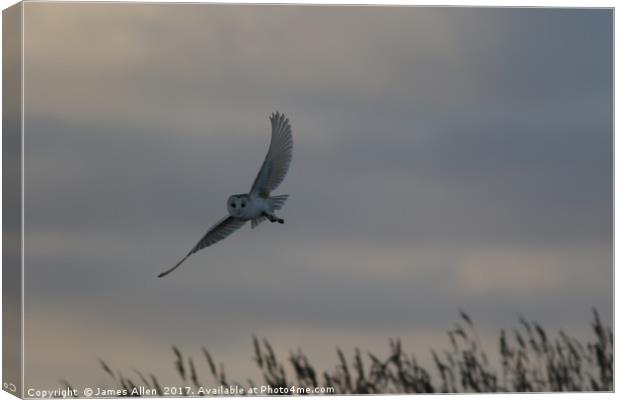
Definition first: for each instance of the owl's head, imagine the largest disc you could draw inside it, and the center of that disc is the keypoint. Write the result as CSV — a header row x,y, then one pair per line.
x,y
237,204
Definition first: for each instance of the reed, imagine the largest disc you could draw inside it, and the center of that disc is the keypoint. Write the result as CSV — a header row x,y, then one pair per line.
x,y
530,360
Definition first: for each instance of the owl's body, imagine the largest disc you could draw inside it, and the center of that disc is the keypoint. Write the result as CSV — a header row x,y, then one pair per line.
x,y
258,204
254,207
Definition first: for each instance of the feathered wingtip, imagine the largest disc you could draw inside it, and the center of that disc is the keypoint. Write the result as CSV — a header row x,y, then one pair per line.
x,y
277,116
279,122
166,272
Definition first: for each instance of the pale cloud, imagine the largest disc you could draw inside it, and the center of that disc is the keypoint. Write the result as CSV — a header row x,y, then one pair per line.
x,y
156,61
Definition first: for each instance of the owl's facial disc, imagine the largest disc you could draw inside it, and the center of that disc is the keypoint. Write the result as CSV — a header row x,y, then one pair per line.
x,y
233,205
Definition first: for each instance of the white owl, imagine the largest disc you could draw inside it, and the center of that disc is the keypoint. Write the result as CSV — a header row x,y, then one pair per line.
x,y
257,205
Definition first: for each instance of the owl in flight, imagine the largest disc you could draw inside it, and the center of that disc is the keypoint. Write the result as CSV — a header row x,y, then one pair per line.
x,y
257,205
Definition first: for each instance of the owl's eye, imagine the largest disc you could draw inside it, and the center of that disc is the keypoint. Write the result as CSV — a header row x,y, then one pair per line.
x,y
233,205
242,205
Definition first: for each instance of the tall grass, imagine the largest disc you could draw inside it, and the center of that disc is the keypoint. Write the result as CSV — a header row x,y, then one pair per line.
x,y
530,360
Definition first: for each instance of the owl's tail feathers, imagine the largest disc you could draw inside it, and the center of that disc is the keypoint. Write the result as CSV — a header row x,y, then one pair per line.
x,y
173,268
277,202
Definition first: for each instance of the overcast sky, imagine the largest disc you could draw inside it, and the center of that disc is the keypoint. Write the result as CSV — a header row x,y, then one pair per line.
x,y
444,158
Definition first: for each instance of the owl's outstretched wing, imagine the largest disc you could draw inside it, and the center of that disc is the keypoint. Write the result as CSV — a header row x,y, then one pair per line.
x,y
278,157
218,232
